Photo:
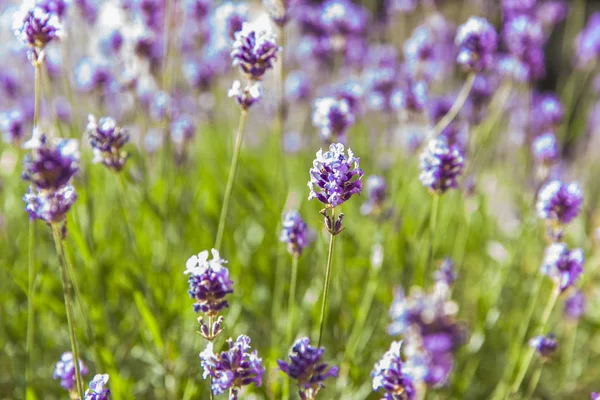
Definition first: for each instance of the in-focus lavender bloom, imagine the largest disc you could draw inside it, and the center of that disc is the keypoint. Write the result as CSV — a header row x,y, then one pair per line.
x,y
230,18
254,50
392,376
233,368
477,41
562,265
559,202
575,305
332,117
545,346
297,86
35,27
587,43
50,206
107,140
209,282
97,388
440,166
11,126
376,189
306,368
335,177
246,96
446,273
65,371
295,233
51,164
545,149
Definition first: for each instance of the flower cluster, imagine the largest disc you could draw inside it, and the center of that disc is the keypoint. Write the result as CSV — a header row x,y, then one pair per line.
x,y
440,166
254,51
107,140
295,233
559,202
11,126
246,96
545,346
477,41
587,43
209,282
564,266
65,371
545,149
306,368
97,389
36,27
391,375
232,369
332,117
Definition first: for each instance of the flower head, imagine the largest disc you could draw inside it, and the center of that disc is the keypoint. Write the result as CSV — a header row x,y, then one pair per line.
x,y
390,375
440,166
559,202
595,396
209,282
49,206
575,305
230,17
295,233
306,368
97,389
107,140
65,371
564,266
446,273
545,149
254,50
335,177
36,27
544,345
587,43
477,41
233,368
247,96
332,116
11,126
376,189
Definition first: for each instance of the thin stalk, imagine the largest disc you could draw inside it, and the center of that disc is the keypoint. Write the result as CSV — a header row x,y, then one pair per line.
x,y
231,179
122,198
363,313
456,107
326,286
56,232
30,310
535,379
530,352
571,328
292,299
432,224
38,86
210,335
280,120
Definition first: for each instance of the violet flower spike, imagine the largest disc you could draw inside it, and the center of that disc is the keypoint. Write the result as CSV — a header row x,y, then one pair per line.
x,y
35,27
391,376
332,117
65,371
562,265
559,202
440,166
254,51
107,140
247,96
295,233
97,388
477,41
545,346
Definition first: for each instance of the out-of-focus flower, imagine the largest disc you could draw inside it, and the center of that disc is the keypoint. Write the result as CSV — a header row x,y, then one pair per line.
x,y
254,50
297,86
199,9
200,75
233,368
595,396
107,139
379,85
545,149
65,371
306,368
229,18
11,125
550,13
36,27
97,388
587,43
516,7
477,41
51,164
440,166
545,346
183,130
446,273
335,177
547,112
353,92
575,305
279,10
247,96
411,98
392,376
332,117
92,75
559,202
209,282
376,189
295,233
562,265
49,206
343,18
58,7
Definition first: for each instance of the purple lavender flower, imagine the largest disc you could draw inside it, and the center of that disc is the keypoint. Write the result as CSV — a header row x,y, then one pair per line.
x,y
575,305
380,82
332,117
391,375
587,43
562,265
595,396
295,233
446,273
306,368
247,96
544,345
11,126
551,13
254,51
35,27
65,371
279,10
50,206
297,86
545,149
547,112
200,75
477,41
51,164
522,33
411,98
352,91
559,202
199,9
58,7
209,282
376,189
107,140
183,130
516,7
233,368
343,18
97,388
334,178
229,18
92,75
440,166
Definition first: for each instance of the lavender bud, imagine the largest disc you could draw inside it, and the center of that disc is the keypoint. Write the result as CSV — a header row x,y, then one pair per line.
x,y
36,27
559,202
392,377
477,41
254,51
65,371
545,346
204,329
575,305
295,233
209,282
245,97
107,140
51,163
338,225
440,166
49,206
332,117
217,326
97,388
562,265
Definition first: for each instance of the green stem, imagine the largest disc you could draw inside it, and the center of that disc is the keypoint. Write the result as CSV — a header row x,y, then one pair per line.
x,y
435,201
210,335
326,286
122,199
230,179
38,86
456,107
56,232
535,379
569,350
30,310
292,299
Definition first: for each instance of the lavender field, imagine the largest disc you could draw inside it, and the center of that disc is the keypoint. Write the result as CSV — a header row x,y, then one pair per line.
x,y
292,199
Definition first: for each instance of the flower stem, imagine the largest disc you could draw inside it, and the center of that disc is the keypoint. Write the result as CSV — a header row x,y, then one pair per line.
x,y
535,379
38,86
230,179
326,286
60,250
456,107
122,198
30,315
292,299
435,201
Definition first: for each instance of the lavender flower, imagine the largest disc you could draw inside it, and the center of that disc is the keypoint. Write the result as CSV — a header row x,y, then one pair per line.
x,y
562,265
477,41
595,396
107,140
575,305
306,368
332,117
279,10
559,202
65,371
547,112
440,166
254,51
36,27
334,178
391,375
97,388
209,282
233,368
446,273
376,189
544,345
295,233
587,43
230,17
247,96
11,125
545,149
297,86
51,164
343,18
199,9
49,206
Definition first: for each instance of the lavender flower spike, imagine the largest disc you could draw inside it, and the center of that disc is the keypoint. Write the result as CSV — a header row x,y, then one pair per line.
x,y
35,27
49,206
559,202
477,41
390,375
306,368
595,396
575,306
209,282
247,96
332,117
440,166
335,177
97,388
564,266
65,371
254,50
295,233
545,346
107,140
